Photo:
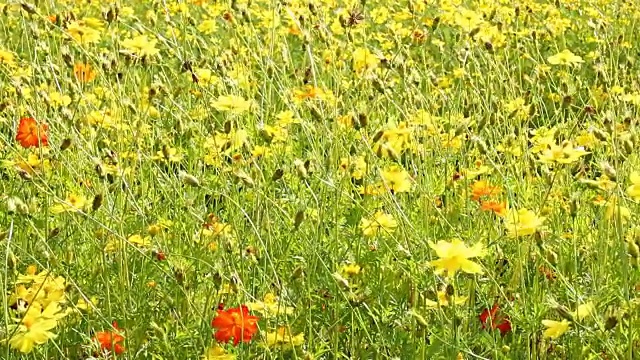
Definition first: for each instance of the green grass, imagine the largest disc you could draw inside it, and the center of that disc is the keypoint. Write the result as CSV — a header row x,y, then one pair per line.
x,y
187,199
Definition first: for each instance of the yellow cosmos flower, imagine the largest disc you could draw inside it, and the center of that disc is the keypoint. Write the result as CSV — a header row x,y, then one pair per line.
x,y
634,190
231,103
454,256
82,33
139,46
7,58
583,311
616,211
396,179
73,203
140,241
555,329
565,57
445,300
364,61
35,327
282,338
270,306
565,153
380,221
217,353
522,222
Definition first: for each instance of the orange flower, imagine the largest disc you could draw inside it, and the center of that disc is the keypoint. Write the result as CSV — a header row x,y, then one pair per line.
x,y
109,340
499,208
83,72
30,134
482,188
235,323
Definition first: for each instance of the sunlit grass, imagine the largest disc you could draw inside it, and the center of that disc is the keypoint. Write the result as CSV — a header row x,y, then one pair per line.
x,y
319,180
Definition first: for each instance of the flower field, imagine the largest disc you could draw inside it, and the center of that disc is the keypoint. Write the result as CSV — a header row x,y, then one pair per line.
x,y
319,179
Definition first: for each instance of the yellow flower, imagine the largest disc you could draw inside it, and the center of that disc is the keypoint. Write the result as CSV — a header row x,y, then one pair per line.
x,y
87,305
615,210
208,26
522,222
34,328
217,353
282,338
270,306
7,58
634,190
364,60
232,103
140,46
80,32
139,241
73,203
583,311
396,179
444,300
555,329
169,154
350,270
565,57
380,221
454,256
565,153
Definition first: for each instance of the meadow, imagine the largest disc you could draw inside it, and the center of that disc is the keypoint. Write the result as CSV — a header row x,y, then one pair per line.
x,y
319,179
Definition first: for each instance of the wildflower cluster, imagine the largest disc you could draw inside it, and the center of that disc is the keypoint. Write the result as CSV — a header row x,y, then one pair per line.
x,y
320,179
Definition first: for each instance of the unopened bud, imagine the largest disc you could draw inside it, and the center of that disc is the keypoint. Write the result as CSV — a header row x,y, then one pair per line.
x,y
633,249
599,134
188,179
627,145
609,171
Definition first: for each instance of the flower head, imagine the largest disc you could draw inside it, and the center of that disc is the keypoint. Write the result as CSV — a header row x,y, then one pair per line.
x,y
445,299
396,179
282,337
522,222
109,341
564,153
555,329
482,188
30,134
494,319
565,57
497,207
235,323
83,72
270,306
233,104
73,203
140,46
35,328
379,222
217,353
634,189
455,255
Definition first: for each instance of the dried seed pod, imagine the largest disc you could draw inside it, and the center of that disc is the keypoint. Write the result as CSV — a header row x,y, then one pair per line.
x,y
97,202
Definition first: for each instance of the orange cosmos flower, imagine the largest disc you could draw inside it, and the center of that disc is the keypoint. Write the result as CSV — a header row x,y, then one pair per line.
x,y
235,323
83,72
110,340
482,188
30,134
497,207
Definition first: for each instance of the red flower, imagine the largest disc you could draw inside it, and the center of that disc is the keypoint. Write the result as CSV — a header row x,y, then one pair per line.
x,y
235,323
495,320
109,340
30,134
